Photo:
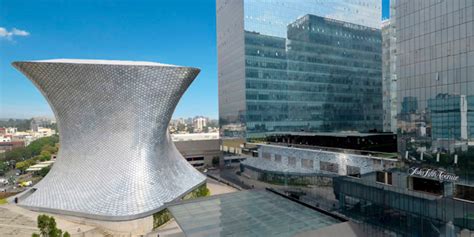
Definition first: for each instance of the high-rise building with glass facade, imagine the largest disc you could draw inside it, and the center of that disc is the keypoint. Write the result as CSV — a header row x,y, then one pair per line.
x,y
286,66
435,90
435,68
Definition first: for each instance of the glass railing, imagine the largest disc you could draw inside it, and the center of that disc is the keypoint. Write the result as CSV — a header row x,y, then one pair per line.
x,y
375,154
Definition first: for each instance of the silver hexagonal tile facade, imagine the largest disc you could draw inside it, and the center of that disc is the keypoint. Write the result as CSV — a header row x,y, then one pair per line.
x,y
116,160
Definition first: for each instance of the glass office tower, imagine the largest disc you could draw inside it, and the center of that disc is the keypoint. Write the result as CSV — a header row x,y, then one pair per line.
x,y
435,68
287,66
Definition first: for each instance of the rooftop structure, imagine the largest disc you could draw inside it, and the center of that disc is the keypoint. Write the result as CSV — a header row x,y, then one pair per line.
x,y
194,136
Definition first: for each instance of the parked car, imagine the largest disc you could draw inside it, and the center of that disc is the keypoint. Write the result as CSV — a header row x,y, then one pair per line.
x,y
26,184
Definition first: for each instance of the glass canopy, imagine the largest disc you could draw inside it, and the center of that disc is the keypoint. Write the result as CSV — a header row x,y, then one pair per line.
x,y
247,213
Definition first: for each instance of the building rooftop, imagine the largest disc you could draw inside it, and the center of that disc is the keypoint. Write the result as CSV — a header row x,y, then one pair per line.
x,y
330,134
100,61
275,167
195,136
247,213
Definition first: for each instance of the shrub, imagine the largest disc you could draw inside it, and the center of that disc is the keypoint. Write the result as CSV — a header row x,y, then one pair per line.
x,y
161,218
164,216
47,227
43,172
201,191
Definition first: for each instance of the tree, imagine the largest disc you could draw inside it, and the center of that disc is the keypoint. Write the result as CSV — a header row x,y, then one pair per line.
x,y
47,227
49,148
40,149
3,168
181,127
15,154
215,161
22,165
45,155
35,148
43,172
21,124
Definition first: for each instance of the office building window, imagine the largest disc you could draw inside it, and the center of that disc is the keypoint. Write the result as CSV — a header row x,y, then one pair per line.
x,y
278,158
292,161
427,186
307,163
329,166
384,177
353,171
464,192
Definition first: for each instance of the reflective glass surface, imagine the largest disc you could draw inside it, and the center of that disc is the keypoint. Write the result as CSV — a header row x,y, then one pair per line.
x,y
247,213
308,66
325,75
435,84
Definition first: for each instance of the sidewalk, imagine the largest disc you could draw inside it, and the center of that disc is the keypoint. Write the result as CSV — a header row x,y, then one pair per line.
x,y
17,221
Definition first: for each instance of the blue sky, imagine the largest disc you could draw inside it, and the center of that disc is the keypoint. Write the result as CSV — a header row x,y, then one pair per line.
x,y
169,31
175,32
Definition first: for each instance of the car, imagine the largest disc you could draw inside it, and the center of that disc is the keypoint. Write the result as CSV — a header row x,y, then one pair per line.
x,y
26,184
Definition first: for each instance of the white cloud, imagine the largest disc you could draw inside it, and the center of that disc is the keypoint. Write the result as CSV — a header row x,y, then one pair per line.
x,y
18,32
4,33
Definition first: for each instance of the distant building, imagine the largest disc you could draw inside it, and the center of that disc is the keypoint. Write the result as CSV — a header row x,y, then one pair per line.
x,y
11,130
8,146
199,149
44,132
199,123
5,138
451,120
40,122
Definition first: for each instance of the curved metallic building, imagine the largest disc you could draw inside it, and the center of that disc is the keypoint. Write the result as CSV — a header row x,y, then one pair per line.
x,y
116,161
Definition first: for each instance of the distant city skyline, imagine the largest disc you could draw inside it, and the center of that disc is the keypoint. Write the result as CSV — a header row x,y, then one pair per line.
x,y
147,32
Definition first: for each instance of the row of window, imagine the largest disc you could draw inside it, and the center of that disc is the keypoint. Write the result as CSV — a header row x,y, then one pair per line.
x,y
309,164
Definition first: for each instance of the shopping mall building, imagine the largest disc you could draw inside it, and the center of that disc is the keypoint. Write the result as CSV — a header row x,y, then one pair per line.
x,y
399,197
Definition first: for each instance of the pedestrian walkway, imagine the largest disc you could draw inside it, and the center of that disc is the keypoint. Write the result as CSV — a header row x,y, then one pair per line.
x,y
17,221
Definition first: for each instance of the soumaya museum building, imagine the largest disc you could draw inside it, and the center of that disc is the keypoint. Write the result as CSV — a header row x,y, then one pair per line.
x,y
122,164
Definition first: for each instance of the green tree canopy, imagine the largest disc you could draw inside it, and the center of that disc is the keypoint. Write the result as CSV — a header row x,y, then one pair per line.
x,y
33,149
47,227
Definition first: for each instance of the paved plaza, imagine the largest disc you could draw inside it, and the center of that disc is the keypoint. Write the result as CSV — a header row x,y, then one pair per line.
x,y
19,222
